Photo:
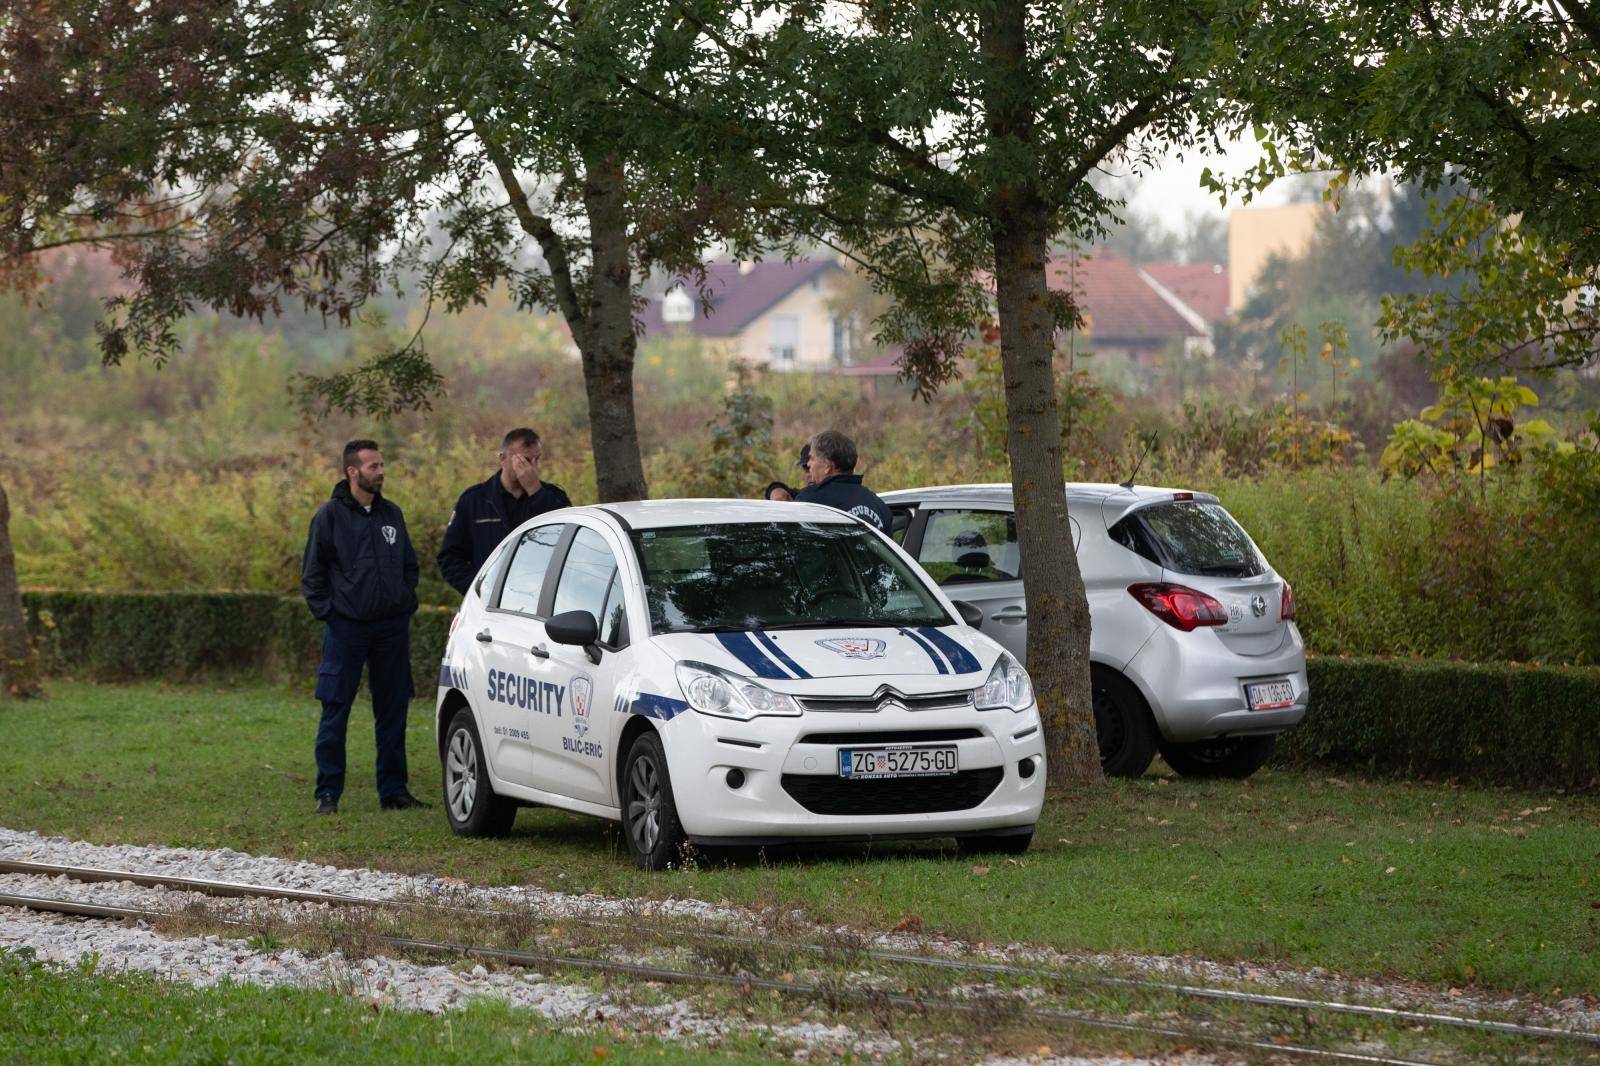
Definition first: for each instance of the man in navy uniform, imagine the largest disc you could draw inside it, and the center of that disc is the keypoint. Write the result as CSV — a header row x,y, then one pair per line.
x,y
831,479
488,512
359,577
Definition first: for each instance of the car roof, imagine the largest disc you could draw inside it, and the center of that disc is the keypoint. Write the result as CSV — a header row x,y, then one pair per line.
x,y
999,492
657,514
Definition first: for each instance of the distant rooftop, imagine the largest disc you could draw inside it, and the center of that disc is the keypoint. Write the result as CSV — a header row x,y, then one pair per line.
x,y
739,294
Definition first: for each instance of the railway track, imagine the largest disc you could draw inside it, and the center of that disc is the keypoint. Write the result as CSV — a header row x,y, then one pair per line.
x,y
799,989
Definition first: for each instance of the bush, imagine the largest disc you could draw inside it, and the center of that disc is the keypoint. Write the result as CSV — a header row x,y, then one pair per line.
x,y
1503,724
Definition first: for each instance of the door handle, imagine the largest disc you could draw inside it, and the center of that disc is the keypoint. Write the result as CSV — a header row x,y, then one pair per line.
x,y
539,651
484,637
1010,614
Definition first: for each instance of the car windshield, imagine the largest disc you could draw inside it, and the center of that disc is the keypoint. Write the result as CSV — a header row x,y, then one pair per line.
x,y
1190,538
778,575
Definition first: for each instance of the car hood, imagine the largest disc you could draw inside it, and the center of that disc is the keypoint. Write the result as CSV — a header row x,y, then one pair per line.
x,y
947,652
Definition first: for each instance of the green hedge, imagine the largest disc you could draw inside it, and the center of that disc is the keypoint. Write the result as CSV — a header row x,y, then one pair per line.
x,y
188,636
1494,723
1534,727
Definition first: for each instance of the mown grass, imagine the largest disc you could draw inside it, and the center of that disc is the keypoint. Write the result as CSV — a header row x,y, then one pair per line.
x,y
76,1016
1424,881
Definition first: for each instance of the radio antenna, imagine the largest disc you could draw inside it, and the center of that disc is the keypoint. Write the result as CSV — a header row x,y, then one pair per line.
x,y
1149,442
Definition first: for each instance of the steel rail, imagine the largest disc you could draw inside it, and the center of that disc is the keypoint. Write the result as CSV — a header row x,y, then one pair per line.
x,y
233,889
520,958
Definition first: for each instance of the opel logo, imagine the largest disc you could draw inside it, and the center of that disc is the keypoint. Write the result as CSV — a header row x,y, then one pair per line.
x,y
1258,605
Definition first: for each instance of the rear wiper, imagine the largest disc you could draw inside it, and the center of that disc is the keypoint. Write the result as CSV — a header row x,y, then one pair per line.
x,y
1227,570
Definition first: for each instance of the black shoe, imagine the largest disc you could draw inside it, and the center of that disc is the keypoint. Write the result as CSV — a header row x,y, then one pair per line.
x,y
403,802
327,805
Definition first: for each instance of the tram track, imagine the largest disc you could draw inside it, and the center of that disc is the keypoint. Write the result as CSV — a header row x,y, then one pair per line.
x,y
237,890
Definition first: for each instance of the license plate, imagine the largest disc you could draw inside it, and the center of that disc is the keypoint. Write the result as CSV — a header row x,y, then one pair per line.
x,y
868,763
1270,695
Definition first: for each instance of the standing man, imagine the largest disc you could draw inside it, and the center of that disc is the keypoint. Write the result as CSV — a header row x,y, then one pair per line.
x,y
486,513
831,479
360,578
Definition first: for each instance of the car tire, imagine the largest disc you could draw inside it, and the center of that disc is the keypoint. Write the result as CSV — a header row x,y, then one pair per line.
x,y
1233,757
1122,724
995,843
649,813
470,803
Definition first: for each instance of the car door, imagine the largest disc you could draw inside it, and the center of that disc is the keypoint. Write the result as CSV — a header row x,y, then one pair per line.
x,y
974,556
591,581
519,676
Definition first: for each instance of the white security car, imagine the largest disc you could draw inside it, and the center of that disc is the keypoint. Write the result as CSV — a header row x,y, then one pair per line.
x,y
1193,644
726,672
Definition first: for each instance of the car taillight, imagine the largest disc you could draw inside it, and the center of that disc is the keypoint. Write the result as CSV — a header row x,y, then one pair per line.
x,y
1179,606
1286,614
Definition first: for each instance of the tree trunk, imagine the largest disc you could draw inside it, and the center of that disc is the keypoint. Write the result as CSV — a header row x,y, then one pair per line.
x,y
1058,609
609,342
19,666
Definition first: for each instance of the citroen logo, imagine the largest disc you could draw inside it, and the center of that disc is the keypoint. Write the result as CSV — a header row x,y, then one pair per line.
x,y
1258,605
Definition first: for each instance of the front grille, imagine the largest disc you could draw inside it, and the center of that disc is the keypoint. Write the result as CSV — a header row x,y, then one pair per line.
x,y
962,791
892,736
933,701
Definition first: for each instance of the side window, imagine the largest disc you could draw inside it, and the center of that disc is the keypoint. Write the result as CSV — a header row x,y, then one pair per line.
x,y
961,547
525,576
614,624
587,577
902,522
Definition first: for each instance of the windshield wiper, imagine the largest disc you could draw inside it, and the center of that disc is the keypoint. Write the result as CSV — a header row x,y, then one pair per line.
x,y
834,623
716,629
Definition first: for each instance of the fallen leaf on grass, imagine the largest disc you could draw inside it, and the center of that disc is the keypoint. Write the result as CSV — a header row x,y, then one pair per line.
x,y
911,923
979,871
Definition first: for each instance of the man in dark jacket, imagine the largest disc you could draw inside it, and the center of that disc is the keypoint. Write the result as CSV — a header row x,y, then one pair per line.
x,y
359,577
831,479
487,513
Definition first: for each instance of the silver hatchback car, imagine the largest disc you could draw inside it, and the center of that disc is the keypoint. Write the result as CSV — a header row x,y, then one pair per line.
x,y
1194,650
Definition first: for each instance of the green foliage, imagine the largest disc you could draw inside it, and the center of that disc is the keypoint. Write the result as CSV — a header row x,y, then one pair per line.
x,y
1080,398
741,440
1475,429
1502,724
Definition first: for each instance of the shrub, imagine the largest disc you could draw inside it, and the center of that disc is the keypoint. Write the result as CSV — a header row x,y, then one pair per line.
x,y
1503,724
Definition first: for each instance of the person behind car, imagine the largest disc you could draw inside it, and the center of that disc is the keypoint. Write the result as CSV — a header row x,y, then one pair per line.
x,y
359,577
831,479
486,513
777,490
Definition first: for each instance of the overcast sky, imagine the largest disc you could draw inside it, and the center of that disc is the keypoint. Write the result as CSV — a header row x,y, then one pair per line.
x,y
1173,194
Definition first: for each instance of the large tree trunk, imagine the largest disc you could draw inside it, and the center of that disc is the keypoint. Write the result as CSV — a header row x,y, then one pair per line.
x,y
609,343
1058,609
19,666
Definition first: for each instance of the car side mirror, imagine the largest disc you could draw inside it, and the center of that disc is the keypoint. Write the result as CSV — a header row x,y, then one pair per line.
x,y
970,613
577,628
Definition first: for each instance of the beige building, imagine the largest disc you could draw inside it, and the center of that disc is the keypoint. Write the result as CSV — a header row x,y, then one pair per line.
x,y
767,314
1256,234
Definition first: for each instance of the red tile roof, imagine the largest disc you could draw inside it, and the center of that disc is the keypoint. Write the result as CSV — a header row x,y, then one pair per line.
x,y
1203,286
1117,303
738,299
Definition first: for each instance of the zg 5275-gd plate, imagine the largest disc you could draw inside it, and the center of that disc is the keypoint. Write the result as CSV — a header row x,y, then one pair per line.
x,y
866,763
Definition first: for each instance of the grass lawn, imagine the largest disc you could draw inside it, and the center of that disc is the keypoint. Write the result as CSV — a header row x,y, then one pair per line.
x,y
75,1017
1423,881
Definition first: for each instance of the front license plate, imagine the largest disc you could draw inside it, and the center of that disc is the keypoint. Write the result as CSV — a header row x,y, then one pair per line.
x,y
1270,695
896,762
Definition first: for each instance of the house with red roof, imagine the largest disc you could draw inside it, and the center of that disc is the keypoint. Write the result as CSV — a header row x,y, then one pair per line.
x,y
766,313
1144,312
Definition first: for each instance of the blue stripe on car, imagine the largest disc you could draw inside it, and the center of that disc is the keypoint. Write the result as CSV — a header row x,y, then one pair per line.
x,y
925,646
653,706
772,646
960,658
744,649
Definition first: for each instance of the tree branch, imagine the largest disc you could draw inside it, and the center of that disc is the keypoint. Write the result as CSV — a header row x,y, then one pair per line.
x,y
542,230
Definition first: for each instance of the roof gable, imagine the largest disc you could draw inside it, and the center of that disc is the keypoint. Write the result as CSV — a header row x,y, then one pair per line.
x,y
738,296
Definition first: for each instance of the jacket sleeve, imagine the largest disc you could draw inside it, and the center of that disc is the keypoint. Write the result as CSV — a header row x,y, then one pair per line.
x,y
455,551
316,585
410,571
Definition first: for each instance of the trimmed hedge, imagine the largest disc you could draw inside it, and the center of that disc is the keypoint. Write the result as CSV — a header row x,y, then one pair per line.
x,y
188,636
1531,727
1493,723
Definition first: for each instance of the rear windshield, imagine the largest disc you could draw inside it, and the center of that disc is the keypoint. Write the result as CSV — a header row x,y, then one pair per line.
x,y
778,575
1190,538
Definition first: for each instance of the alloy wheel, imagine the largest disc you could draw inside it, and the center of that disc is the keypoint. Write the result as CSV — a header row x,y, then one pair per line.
x,y
461,775
644,805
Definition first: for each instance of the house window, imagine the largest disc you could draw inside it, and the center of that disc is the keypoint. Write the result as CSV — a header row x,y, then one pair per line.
x,y
841,339
677,307
785,346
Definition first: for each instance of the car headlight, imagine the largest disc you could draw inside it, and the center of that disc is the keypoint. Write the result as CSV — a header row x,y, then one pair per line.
x,y
1008,686
717,692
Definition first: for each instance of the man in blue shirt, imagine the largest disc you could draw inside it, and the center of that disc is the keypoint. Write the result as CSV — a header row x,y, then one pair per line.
x,y
488,512
831,480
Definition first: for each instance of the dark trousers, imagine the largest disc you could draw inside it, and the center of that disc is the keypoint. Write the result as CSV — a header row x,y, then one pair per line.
x,y
384,648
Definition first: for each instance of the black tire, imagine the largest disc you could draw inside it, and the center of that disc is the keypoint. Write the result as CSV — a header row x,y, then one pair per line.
x,y
649,813
995,843
470,803
1235,757
1122,723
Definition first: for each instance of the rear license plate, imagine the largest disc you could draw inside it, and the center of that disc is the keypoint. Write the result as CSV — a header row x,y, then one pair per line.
x,y
1270,695
868,763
